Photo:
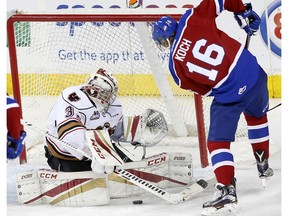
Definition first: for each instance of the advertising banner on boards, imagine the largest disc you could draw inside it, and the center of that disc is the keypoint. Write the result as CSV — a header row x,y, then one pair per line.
x,y
266,45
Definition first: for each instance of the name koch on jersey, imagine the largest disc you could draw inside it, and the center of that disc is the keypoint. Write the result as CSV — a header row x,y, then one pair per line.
x,y
204,59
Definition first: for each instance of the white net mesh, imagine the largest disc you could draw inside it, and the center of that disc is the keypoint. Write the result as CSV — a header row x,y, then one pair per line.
x,y
52,56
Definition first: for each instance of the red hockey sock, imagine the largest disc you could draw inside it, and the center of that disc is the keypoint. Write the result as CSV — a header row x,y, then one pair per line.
x,y
258,134
222,161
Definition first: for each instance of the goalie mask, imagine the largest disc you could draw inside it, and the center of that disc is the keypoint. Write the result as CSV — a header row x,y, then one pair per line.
x,y
102,89
163,32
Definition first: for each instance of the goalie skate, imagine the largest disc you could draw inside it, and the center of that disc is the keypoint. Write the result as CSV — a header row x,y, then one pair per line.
x,y
223,205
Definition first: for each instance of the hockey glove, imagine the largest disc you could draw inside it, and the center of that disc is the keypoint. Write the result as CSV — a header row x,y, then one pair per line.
x,y
14,146
248,20
146,129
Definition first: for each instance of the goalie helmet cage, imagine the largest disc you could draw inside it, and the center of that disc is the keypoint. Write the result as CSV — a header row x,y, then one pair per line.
x,y
50,52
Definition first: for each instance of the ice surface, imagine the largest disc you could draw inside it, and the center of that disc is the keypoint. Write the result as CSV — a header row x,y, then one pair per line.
x,y
253,199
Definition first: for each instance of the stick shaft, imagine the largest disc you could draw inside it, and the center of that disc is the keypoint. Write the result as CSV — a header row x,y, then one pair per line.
x,y
247,42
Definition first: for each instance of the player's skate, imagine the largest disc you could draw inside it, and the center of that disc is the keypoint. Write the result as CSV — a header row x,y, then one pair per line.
x,y
264,171
223,205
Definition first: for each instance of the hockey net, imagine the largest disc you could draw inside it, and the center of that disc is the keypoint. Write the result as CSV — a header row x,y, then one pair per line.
x,y
50,52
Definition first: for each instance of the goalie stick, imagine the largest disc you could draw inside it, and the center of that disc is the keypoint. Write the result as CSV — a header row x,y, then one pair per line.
x,y
174,198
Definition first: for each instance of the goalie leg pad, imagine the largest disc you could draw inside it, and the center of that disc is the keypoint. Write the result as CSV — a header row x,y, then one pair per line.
x,y
165,170
62,188
181,166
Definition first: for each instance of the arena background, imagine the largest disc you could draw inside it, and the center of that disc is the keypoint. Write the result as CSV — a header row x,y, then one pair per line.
x,y
266,45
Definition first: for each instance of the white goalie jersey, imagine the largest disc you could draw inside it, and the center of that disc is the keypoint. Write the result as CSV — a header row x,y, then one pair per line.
x,y
72,115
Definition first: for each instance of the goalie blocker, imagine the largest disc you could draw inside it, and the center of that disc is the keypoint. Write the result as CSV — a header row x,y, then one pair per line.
x,y
166,170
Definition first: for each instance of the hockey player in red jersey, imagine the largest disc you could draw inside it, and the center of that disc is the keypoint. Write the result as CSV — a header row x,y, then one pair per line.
x,y
205,60
15,136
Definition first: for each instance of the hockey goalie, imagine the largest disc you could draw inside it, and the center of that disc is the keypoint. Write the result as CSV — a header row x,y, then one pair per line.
x,y
88,137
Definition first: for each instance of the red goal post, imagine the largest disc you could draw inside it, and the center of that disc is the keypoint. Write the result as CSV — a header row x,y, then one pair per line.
x,y
49,52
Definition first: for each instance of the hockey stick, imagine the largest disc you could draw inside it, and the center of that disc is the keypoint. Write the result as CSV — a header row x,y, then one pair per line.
x,y
174,198
274,107
247,42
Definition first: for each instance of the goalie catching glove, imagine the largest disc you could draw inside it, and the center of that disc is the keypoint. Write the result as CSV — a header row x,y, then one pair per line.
x,y
146,129
248,20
